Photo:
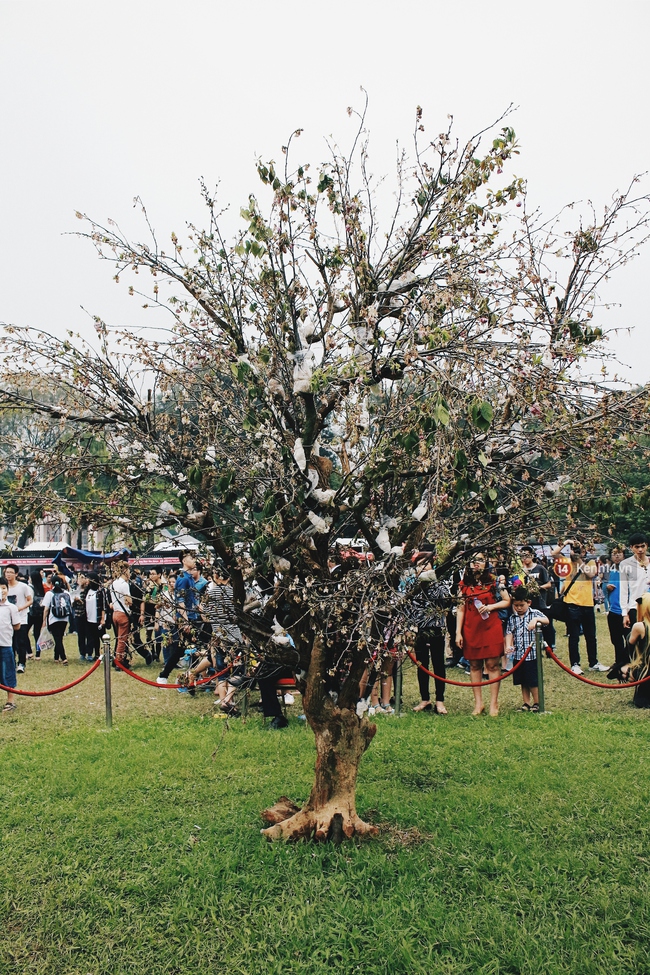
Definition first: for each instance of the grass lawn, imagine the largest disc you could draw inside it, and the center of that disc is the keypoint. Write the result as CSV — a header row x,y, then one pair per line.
x,y
509,845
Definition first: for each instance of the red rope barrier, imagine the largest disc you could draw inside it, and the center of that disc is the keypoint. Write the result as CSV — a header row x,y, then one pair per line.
x,y
152,683
595,683
56,690
466,683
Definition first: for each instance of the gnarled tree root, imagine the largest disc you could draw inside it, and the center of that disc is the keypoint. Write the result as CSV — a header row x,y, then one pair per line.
x,y
333,821
281,810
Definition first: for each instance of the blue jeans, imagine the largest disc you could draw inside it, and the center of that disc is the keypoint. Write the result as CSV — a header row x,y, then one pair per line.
x,y
7,667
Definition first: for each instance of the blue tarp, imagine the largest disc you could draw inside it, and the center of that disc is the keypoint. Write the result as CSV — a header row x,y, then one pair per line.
x,y
68,554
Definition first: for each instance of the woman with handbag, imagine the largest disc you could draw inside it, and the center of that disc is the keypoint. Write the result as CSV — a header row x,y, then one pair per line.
x,y
575,606
479,631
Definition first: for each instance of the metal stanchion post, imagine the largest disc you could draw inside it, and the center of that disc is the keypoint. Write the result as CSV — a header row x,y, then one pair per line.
x,y
539,646
106,641
398,688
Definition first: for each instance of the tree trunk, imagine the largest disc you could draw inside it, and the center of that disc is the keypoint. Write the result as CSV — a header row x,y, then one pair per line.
x,y
341,740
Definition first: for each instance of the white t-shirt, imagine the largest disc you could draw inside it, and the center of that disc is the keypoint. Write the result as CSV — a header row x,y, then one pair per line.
x,y
22,592
47,602
91,605
9,616
119,589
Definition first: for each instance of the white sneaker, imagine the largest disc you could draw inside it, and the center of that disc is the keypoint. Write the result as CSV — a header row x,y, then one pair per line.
x,y
161,680
362,706
576,669
20,669
600,667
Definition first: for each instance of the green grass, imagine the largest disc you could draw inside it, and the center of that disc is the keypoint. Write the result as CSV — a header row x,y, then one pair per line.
x,y
515,845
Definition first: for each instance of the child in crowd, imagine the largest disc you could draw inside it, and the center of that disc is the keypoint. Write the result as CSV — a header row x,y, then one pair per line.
x,y
519,636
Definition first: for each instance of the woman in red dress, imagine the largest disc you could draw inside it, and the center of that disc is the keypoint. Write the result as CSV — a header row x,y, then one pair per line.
x,y
478,628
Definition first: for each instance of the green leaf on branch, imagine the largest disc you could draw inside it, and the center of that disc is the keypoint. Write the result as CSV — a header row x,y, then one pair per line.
x,y
482,415
411,440
442,413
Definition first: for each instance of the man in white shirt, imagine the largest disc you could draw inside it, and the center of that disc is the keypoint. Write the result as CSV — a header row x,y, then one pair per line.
x,y
635,577
22,596
9,624
120,596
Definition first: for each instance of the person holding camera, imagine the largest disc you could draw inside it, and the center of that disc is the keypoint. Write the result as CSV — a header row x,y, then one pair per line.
x,y
579,600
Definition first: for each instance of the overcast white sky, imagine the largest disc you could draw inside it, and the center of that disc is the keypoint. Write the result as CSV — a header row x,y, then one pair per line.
x,y
101,102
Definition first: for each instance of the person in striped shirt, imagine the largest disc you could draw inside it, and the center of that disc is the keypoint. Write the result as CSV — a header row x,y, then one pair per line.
x,y
520,632
218,606
218,609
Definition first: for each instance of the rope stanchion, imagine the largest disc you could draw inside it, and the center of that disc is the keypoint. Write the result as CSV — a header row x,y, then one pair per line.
x,y
153,683
595,683
108,698
467,683
55,690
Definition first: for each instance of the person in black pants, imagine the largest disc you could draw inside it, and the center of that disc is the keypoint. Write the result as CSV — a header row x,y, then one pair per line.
x,y
137,619
193,634
615,622
35,619
429,607
430,645
57,623
20,594
96,607
79,611
268,674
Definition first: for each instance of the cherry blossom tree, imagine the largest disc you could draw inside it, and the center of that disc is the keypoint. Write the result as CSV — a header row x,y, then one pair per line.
x,y
430,372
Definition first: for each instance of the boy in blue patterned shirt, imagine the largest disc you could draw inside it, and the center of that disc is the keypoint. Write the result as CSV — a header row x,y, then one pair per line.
x,y
519,636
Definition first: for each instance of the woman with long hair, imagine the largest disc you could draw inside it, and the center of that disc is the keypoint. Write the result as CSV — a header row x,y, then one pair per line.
x,y
478,628
639,666
35,618
57,602
429,607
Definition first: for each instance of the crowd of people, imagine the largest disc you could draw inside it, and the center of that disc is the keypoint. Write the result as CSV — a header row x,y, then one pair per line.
x,y
481,617
487,612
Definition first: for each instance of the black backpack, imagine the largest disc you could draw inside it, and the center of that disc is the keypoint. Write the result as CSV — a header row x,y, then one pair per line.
x,y
60,605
